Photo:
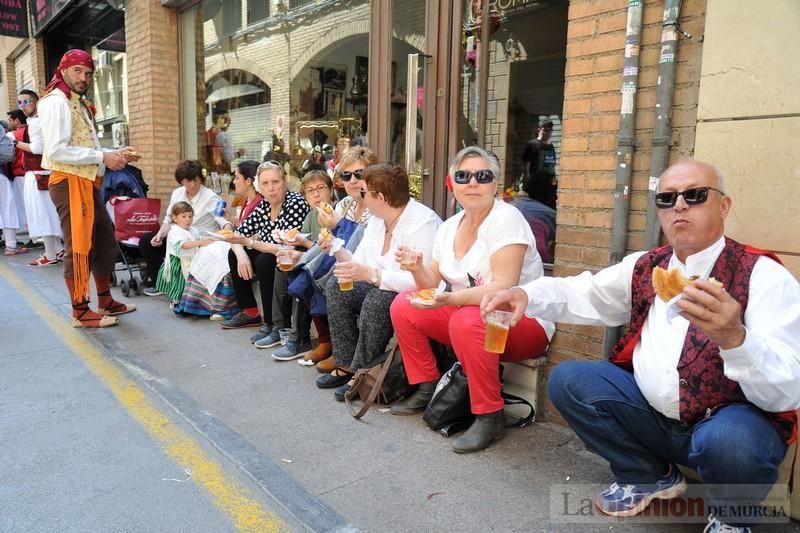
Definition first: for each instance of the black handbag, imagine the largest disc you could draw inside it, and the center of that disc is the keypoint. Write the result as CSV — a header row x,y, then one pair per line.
x,y
449,409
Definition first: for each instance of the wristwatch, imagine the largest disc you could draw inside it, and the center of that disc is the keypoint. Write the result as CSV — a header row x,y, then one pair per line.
x,y
375,276
249,244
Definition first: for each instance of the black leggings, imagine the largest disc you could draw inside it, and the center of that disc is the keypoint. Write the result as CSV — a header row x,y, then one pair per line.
x,y
264,269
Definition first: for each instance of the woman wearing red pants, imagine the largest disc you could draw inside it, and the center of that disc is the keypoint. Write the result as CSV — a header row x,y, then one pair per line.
x,y
486,247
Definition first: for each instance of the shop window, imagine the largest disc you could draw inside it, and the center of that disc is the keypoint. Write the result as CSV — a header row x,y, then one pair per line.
x,y
294,4
231,16
226,15
524,85
280,89
257,10
237,102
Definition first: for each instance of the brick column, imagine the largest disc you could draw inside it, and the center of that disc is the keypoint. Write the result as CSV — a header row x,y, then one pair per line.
x,y
151,36
593,77
10,85
40,77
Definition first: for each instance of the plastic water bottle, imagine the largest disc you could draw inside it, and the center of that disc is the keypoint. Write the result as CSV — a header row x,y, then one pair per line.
x,y
219,209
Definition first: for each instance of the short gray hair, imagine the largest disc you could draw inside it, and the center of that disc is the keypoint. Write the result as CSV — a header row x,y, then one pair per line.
x,y
475,151
271,165
721,181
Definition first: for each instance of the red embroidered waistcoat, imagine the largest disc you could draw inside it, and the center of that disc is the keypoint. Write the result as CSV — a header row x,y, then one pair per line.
x,y
31,162
703,386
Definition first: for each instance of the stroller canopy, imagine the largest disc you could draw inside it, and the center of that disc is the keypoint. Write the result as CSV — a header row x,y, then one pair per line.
x,y
126,182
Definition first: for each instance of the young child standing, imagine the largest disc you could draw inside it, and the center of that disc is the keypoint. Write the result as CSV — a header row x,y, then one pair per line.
x,y
182,241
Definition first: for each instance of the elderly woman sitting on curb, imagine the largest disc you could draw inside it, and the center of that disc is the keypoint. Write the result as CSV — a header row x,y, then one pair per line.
x,y
359,314
486,247
254,247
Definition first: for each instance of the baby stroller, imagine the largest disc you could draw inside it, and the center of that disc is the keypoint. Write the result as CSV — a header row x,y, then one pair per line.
x,y
133,214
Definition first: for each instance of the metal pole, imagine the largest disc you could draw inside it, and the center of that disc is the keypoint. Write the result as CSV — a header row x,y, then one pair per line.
x,y
662,130
411,113
483,72
625,144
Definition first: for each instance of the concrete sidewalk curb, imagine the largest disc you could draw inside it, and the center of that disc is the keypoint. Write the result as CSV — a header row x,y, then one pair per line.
x,y
303,507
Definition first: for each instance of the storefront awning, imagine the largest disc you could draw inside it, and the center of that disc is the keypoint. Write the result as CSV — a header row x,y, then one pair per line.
x,y
232,91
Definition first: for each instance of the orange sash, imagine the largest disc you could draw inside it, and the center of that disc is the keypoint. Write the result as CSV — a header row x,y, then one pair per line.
x,y
81,216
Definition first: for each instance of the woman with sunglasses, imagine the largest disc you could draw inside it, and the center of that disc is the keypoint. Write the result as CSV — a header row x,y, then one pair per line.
x,y
254,248
352,206
359,318
486,247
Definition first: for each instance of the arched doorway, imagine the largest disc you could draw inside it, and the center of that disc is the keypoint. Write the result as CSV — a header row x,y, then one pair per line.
x,y
246,99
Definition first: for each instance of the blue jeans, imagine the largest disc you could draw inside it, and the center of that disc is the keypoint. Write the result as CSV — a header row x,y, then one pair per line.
x,y
602,403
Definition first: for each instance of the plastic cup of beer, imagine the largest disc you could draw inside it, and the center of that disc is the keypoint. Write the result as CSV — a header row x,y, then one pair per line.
x,y
344,284
497,324
285,259
409,257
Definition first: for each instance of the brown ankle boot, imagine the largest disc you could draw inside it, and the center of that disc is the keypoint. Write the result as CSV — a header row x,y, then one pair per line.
x,y
320,353
326,366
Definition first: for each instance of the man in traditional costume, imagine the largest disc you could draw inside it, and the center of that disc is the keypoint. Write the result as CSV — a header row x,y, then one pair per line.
x,y
42,216
77,163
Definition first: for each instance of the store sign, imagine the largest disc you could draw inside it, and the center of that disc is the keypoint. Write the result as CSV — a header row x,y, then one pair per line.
x,y
13,18
505,9
45,11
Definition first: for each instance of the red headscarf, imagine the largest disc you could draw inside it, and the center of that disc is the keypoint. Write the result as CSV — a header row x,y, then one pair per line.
x,y
70,59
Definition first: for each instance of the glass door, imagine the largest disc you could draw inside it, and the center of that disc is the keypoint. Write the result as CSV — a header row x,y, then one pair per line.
x,y
407,90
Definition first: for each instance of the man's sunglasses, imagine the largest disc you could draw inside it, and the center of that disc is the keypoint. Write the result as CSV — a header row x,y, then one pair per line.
x,y
364,192
347,176
23,102
694,196
462,177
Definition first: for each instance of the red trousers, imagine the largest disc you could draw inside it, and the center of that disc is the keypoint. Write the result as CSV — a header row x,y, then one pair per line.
x,y
464,330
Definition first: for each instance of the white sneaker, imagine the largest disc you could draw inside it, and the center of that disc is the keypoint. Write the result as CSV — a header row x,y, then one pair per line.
x,y
715,526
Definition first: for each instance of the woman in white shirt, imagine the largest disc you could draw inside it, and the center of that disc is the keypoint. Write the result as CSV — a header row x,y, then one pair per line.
x,y
485,247
359,318
192,190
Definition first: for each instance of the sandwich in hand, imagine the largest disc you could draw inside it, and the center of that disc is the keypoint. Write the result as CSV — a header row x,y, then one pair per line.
x,y
325,236
292,234
326,208
425,296
670,283
226,232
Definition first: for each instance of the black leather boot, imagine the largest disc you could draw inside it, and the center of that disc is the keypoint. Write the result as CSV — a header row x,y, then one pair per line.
x,y
481,433
417,402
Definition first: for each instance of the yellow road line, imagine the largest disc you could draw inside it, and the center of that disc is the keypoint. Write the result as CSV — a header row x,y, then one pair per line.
x,y
245,512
